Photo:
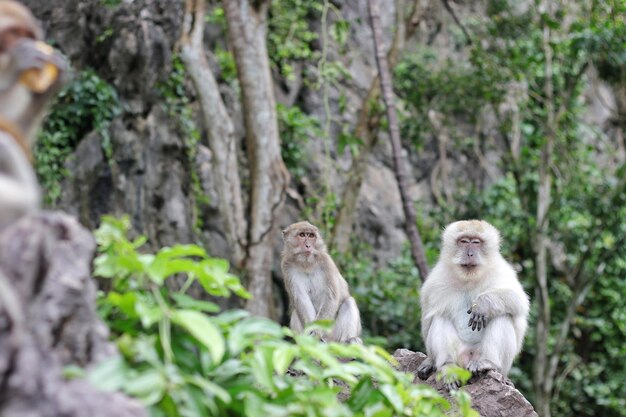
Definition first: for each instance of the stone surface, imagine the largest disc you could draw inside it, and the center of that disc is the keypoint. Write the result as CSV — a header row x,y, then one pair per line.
x,y
148,173
493,395
48,320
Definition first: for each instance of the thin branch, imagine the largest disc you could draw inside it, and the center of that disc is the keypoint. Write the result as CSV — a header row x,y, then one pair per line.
x,y
457,21
417,249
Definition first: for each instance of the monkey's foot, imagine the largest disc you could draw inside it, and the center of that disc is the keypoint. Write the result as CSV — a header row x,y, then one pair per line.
x,y
452,385
425,369
355,340
476,366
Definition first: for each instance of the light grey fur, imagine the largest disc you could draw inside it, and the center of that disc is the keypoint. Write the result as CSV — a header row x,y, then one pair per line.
x,y
490,290
19,190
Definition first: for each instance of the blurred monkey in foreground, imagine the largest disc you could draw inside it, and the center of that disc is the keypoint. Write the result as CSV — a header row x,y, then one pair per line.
x,y
31,73
474,310
316,289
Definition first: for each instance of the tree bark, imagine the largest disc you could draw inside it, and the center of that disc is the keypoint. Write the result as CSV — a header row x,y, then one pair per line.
x,y
268,174
542,380
417,248
220,130
366,128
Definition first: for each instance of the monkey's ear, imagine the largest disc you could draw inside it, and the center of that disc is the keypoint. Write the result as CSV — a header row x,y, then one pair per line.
x,y
284,232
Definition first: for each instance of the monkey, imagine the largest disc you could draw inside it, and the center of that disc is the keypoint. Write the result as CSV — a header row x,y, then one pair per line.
x,y
31,73
474,309
316,289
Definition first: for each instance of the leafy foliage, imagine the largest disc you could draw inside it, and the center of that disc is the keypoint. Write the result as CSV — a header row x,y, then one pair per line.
x,y
176,101
180,361
456,89
88,103
295,129
289,37
388,299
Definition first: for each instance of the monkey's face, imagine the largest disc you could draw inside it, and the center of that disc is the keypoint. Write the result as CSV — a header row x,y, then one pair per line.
x,y
467,245
469,254
302,239
16,22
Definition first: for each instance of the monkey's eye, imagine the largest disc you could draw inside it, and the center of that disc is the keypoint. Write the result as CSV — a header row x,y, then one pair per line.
x,y
311,235
302,234
464,241
476,241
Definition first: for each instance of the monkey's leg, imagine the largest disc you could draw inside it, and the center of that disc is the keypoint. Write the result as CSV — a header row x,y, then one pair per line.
x,y
443,342
347,327
497,348
295,324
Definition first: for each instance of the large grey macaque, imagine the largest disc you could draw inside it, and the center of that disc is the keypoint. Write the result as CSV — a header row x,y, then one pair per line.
x,y
316,289
474,310
31,72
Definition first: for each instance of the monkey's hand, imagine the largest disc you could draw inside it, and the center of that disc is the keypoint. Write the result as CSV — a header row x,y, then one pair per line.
x,y
318,334
36,61
478,317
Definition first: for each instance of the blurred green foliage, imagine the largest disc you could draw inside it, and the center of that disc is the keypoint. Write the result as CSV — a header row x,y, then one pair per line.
x,y
295,128
88,103
180,361
388,300
290,38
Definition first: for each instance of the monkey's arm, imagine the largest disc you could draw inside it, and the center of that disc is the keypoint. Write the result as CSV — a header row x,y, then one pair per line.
x,y
19,192
302,303
336,291
502,301
328,309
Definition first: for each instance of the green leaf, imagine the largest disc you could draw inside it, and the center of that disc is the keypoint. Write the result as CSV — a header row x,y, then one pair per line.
x,y
186,302
149,386
202,329
391,393
282,357
147,310
210,388
248,331
263,367
125,302
180,251
108,375
73,372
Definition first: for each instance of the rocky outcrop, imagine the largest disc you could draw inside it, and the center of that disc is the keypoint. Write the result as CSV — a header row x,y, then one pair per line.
x,y
148,172
48,321
493,395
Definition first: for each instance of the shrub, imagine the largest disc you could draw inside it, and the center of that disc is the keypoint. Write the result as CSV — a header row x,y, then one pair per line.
x,y
180,361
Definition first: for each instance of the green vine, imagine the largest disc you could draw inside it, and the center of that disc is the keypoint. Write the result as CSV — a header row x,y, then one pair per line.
x,y
176,101
88,103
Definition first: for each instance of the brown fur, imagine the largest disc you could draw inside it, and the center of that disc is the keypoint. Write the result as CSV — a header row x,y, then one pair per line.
x,y
316,289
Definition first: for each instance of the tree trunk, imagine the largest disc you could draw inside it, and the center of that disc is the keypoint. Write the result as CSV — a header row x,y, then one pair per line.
x,y
268,175
366,128
221,133
542,380
417,249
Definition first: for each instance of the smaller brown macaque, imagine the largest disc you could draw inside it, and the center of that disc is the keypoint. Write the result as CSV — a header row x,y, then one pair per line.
x,y
316,289
31,73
